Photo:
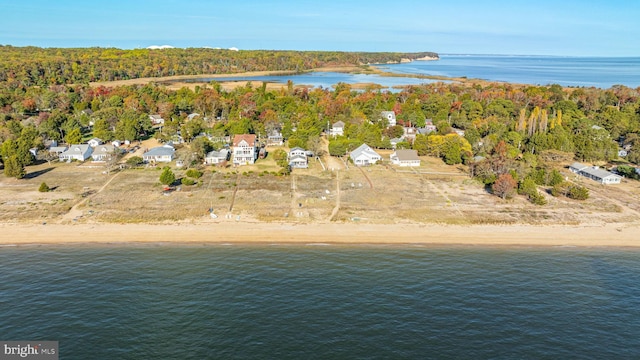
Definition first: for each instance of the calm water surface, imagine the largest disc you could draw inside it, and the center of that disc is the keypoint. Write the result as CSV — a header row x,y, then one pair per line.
x,y
323,302
599,72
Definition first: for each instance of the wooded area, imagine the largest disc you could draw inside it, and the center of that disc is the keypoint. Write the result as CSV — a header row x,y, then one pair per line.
x,y
519,131
30,66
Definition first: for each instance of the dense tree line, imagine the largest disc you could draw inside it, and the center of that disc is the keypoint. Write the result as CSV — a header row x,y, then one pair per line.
x,y
512,133
50,66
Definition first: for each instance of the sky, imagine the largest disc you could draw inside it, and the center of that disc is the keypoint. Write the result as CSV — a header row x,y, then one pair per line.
x,y
513,27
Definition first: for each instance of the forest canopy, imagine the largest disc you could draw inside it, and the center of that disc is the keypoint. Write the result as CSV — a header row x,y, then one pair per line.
x,y
54,66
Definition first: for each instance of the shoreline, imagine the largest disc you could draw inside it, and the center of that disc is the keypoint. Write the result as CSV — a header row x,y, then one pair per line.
x,y
256,233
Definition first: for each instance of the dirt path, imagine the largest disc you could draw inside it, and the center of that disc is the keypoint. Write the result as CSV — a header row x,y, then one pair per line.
x,y
448,200
335,210
74,213
235,191
366,177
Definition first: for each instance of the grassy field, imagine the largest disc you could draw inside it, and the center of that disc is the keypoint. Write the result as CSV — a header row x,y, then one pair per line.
x,y
382,194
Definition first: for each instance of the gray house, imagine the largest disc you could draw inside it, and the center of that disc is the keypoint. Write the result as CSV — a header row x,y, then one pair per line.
x,y
595,173
217,157
159,154
80,152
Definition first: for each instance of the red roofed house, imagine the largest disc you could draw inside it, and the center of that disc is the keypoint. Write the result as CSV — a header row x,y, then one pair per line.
x,y
245,149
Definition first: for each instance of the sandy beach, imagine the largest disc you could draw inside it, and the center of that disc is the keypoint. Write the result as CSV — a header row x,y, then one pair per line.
x,y
329,233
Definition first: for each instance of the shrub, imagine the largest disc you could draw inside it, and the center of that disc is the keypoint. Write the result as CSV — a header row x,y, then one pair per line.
x,y
561,189
187,181
194,173
44,187
578,192
135,161
167,177
537,199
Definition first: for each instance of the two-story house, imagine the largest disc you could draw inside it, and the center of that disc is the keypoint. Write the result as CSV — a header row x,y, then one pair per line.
x,y
245,149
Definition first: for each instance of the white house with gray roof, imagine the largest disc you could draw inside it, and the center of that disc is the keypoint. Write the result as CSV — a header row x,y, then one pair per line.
x,y
595,173
217,157
80,152
163,153
298,158
337,129
405,157
103,153
364,155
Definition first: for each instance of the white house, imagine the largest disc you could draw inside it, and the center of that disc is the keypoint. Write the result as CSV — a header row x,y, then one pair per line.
x,y
156,120
390,117
95,142
217,157
245,149
103,153
337,129
595,173
80,152
163,153
298,158
274,138
405,158
364,155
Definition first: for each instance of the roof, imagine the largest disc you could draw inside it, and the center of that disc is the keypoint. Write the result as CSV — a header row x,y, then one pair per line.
x,y
578,166
298,158
104,149
77,149
365,150
156,117
338,124
598,173
249,138
407,155
218,154
297,148
386,113
160,151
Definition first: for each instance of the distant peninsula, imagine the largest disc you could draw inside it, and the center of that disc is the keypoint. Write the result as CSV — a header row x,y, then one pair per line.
x,y
56,66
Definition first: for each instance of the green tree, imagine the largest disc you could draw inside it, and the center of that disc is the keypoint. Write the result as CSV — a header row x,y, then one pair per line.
x,y
135,161
102,130
74,136
167,177
201,146
13,167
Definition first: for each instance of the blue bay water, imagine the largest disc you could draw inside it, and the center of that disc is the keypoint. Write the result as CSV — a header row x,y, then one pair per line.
x,y
323,302
601,72
326,79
